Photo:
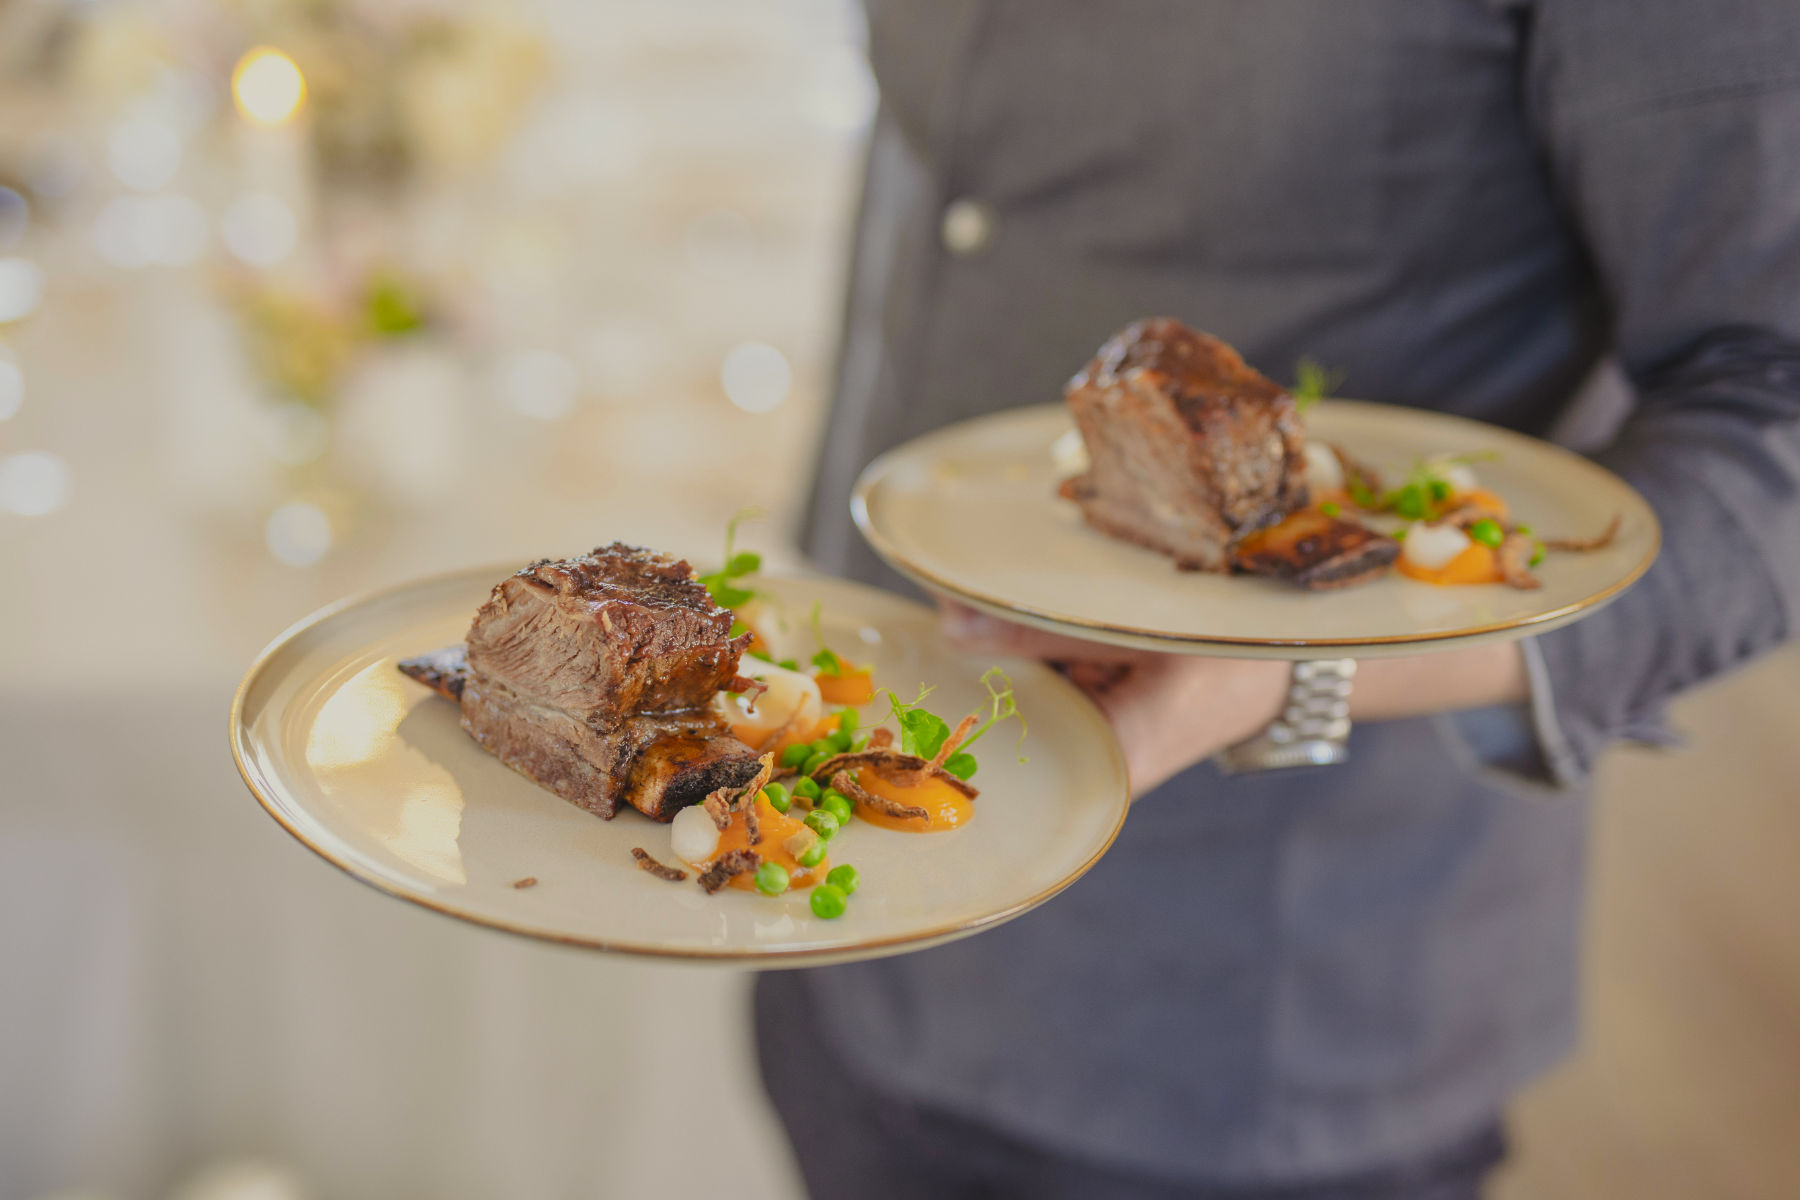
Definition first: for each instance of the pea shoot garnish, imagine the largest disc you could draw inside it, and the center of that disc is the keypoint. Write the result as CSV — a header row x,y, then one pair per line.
x,y
1427,494
720,584
923,733
828,661
1313,383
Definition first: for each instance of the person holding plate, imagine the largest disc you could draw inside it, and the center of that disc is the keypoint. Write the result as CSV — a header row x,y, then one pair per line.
x,y
1325,981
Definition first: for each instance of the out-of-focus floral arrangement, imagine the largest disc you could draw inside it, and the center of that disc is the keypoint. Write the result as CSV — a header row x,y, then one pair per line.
x,y
319,126
344,252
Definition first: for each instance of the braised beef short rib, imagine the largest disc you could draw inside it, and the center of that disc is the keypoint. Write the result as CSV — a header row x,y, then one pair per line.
x,y
1188,446
594,676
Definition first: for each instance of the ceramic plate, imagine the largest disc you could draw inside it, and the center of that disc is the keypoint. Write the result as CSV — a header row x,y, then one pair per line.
x,y
971,511
376,775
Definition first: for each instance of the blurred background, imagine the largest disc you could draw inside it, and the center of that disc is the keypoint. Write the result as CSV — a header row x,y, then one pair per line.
x,y
300,298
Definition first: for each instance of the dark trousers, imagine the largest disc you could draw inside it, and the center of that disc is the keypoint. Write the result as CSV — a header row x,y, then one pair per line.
x,y
853,1142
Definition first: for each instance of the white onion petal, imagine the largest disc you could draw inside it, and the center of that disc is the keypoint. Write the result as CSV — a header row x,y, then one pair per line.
x,y
693,838
1323,471
1433,546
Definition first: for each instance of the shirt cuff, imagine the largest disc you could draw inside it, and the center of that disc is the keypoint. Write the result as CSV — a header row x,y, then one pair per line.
x,y
1520,743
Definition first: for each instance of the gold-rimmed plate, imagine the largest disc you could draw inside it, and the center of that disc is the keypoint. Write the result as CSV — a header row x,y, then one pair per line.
x,y
375,774
970,511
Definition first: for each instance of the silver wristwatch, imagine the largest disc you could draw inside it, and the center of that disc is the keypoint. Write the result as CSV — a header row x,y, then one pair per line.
x,y
1313,730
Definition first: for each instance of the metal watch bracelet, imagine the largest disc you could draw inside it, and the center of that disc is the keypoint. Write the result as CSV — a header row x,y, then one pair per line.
x,y
1313,729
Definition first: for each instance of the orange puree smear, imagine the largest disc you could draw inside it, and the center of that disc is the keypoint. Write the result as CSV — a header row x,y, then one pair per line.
x,y
776,829
945,807
1483,497
852,687
1477,564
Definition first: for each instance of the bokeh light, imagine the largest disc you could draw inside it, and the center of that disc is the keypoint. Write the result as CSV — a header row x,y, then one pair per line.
x,y
259,229
298,533
538,383
144,152
268,86
33,484
756,376
21,288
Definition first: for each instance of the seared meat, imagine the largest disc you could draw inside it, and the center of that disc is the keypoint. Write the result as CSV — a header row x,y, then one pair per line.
x,y
1188,446
595,676
1316,551
620,631
656,762
443,671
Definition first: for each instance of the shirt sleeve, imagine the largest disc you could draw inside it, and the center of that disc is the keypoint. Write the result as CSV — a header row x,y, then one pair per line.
x,y
1672,132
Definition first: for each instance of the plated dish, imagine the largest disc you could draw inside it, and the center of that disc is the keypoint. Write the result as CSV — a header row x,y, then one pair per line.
x,y
376,772
621,678
1368,524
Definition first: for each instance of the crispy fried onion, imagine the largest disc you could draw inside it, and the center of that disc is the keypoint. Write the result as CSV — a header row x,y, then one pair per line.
x,y
846,783
719,805
1467,512
648,863
728,867
1598,542
1354,471
1514,557
881,739
800,841
903,769
755,687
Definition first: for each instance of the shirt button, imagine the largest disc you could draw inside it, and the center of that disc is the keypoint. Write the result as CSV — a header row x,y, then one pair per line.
x,y
968,226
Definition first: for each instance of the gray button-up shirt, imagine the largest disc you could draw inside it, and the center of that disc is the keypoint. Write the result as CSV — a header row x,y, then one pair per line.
x,y
1466,205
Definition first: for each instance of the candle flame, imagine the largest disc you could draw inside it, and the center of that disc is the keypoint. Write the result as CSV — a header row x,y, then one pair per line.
x,y
268,86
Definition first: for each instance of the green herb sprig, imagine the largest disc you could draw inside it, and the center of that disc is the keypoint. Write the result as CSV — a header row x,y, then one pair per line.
x,y
720,584
923,732
825,658
1313,383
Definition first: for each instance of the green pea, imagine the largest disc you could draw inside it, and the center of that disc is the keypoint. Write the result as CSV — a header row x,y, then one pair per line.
x,y
839,741
777,796
1410,502
1440,490
815,760
848,720
771,879
823,823
806,787
837,804
1400,533
828,902
1488,532
844,878
1331,508
813,855
1537,555
788,664
794,755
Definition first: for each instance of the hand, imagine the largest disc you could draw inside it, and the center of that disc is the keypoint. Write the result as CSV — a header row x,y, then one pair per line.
x,y
1169,710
